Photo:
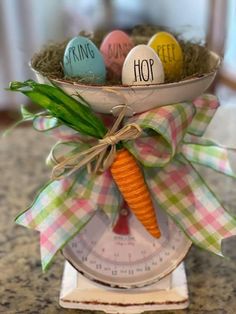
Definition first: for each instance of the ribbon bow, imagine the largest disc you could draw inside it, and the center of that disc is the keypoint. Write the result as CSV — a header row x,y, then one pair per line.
x,y
170,144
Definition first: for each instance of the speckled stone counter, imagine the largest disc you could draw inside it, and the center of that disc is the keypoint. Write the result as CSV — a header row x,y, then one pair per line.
x,y
25,289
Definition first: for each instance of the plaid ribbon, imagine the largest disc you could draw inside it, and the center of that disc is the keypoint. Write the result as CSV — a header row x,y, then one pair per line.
x,y
171,142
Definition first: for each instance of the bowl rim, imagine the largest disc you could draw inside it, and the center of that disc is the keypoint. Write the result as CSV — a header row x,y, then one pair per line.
x,y
214,55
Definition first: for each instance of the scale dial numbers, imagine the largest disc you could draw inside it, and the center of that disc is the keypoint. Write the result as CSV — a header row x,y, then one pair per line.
x,y
129,261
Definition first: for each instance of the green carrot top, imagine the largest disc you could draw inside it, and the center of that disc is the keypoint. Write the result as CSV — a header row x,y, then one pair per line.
x,y
76,114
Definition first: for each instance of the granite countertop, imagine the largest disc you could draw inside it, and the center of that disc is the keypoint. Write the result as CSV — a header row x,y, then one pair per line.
x,y
23,286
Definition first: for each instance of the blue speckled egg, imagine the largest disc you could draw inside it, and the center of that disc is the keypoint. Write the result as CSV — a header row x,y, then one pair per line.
x,y
83,59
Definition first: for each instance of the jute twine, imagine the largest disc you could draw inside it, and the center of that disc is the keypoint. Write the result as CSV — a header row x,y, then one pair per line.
x,y
103,152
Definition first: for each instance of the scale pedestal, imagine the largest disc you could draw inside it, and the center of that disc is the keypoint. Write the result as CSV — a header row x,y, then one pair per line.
x,y
169,293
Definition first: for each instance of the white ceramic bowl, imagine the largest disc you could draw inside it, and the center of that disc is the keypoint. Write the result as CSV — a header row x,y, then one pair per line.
x,y
106,99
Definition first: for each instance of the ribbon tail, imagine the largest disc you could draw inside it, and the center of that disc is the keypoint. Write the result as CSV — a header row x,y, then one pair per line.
x,y
63,207
210,155
58,216
182,193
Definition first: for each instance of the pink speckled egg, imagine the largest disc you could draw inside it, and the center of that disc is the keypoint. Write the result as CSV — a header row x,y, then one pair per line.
x,y
114,48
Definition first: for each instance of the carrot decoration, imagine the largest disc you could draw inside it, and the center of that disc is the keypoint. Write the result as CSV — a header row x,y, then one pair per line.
x,y
131,184
78,115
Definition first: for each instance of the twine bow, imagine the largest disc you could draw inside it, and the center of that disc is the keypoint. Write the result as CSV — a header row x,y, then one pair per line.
x,y
104,151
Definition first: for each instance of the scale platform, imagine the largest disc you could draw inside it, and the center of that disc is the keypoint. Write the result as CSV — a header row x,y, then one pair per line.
x,y
169,293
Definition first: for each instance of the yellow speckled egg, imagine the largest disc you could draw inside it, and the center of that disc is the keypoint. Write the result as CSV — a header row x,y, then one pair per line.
x,y
170,53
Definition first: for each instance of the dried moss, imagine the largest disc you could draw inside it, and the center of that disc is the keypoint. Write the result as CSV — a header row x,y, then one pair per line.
x,y
48,61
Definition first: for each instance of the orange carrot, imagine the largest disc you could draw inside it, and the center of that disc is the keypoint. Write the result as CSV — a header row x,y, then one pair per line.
x,y
130,181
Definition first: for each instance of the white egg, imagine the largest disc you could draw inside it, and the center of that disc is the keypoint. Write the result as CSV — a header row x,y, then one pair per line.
x,y
142,66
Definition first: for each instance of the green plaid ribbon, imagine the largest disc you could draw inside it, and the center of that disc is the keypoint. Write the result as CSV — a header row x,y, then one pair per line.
x,y
170,144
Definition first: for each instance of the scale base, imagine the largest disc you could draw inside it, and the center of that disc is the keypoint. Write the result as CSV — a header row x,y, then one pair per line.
x,y
78,292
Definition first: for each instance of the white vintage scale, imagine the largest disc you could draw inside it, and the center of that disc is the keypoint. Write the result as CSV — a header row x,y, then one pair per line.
x,y
131,273
125,272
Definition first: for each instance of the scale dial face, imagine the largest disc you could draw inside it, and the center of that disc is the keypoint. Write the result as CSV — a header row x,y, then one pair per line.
x,y
126,261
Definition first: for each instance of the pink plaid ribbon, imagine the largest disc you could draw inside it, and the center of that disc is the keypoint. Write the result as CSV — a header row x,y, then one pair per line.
x,y
171,141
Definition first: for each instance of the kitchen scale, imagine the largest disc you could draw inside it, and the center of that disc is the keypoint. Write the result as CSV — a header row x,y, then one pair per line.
x,y
125,273
128,273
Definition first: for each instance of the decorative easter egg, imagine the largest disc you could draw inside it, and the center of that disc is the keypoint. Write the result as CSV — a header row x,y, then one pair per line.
x,y
170,53
114,48
82,59
142,66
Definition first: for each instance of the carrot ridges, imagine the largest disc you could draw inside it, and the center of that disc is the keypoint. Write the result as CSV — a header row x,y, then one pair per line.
x,y
130,181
